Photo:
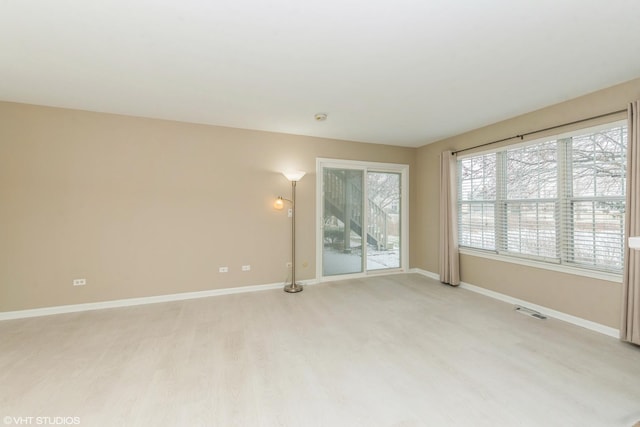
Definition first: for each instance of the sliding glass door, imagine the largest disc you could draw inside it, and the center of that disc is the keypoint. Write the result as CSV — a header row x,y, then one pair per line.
x,y
361,217
383,220
342,221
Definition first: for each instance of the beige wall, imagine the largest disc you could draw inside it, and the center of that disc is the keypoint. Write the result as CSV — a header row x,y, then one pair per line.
x,y
143,207
592,299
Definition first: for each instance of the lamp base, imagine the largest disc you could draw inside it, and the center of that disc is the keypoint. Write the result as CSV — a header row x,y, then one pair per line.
x,y
292,288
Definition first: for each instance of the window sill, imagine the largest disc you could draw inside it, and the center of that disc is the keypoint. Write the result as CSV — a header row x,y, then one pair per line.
x,y
610,277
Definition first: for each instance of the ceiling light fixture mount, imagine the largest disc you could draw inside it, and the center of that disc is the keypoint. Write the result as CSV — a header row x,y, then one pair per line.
x,y
320,117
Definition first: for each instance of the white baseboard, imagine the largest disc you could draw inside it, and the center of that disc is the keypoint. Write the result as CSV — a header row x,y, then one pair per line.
x,y
46,311
62,309
578,321
426,273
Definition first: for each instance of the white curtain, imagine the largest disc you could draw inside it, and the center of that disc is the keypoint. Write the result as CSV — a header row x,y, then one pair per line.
x,y
449,258
630,325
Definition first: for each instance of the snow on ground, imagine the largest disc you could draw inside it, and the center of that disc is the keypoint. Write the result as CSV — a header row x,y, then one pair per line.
x,y
338,262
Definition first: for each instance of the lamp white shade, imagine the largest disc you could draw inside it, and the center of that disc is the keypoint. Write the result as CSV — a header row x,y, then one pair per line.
x,y
634,242
294,175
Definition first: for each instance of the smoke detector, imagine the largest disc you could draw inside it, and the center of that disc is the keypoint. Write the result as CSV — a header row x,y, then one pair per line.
x,y
320,117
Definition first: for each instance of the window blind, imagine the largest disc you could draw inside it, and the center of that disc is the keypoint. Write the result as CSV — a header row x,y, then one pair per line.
x,y
560,200
593,206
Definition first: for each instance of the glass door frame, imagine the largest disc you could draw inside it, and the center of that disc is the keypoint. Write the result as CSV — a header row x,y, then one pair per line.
x,y
366,167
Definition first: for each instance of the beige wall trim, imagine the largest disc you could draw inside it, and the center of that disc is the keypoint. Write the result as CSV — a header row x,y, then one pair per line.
x,y
128,302
578,321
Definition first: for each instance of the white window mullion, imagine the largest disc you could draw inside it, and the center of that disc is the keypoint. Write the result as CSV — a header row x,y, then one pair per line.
x,y
565,204
500,205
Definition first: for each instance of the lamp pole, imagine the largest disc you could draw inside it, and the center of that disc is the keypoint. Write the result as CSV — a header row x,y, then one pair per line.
x,y
294,177
293,287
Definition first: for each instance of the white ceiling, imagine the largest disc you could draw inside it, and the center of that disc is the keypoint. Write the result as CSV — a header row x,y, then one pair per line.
x,y
402,72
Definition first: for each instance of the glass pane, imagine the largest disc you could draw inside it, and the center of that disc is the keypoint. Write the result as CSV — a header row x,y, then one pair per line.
x,y
477,225
476,201
598,235
599,163
532,172
383,220
531,228
342,221
477,178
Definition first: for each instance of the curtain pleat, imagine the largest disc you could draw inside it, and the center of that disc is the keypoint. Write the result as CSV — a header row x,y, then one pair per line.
x,y
630,324
449,257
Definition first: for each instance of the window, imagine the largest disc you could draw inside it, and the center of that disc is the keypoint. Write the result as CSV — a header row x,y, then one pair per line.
x,y
596,198
560,200
527,211
477,200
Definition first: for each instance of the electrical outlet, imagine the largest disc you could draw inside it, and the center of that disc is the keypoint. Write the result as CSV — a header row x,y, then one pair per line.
x,y
223,270
79,282
246,268
290,212
289,264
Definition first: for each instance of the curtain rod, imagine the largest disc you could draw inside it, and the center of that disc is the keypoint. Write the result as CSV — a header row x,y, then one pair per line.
x,y
521,136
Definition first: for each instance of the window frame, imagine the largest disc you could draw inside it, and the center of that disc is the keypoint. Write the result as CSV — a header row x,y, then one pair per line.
x,y
563,200
482,203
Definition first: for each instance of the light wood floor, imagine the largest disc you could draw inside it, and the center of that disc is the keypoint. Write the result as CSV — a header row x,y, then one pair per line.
x,y
398,350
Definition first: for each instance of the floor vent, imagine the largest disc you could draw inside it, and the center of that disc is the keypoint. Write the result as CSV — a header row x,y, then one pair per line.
x,y
528,312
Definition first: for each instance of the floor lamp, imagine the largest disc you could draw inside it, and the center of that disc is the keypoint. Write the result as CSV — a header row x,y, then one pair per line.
x,y
293,176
